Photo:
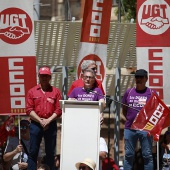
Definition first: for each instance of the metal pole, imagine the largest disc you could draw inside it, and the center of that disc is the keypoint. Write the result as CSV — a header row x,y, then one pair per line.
x,y
157,147
36,6
66,9
117,115
64,82
119,11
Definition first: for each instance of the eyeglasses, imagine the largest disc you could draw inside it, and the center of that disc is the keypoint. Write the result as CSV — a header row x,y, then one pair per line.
x,y
82,167
94,68
88,77
23,127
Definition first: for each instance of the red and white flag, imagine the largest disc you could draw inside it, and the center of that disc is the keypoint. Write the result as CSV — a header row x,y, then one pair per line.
x,y
17,55
7,129
153,45
94,35
153,117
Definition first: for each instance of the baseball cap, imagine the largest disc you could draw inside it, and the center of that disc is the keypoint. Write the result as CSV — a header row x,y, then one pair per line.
x,y
45,70
141,72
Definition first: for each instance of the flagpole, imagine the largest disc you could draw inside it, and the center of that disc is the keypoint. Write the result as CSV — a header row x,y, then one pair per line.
x,y
19,133
157,143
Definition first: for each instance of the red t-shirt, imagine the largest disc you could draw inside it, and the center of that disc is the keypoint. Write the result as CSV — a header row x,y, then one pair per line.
x,y
80,83
43,103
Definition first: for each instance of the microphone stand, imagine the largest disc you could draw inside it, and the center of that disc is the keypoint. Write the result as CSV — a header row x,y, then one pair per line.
x,y
109,105
91,91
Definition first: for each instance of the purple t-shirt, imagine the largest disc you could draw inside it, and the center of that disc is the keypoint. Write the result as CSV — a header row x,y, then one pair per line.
x,y
80,94
136,100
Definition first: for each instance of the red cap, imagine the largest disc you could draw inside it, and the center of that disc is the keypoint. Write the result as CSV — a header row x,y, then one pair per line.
x,y
45,70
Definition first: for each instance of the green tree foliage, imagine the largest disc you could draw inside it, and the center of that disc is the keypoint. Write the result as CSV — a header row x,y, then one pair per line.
x,y
128,9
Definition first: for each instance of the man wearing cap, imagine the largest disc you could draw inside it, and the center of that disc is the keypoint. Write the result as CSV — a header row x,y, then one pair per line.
x,y
42,105
136,98
86,164
15,148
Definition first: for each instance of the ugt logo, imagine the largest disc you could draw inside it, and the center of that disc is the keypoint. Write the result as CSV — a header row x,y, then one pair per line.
x,y
15,26
154,17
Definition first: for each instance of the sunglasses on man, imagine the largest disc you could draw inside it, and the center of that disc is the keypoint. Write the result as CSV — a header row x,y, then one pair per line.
x,y
23,127
94,68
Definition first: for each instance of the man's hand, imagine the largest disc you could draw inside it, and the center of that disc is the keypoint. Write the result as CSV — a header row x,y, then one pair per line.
x,y
45,122
9,155
18,149
22,165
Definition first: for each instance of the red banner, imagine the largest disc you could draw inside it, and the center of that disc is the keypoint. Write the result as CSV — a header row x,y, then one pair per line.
x,y
153,117
153,45
153,23
7,129
94,36
18,75
96,21
17,55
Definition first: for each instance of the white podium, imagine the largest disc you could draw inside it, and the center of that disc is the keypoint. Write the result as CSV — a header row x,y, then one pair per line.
x,y
80,134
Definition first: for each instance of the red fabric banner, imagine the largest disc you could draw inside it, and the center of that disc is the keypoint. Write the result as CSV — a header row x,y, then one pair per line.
x,y
7,129
153,45
94,36
153,117
153,21
18,75
96,21
17,55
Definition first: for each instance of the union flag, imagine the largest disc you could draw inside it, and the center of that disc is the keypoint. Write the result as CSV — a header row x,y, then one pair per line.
x,y
153,117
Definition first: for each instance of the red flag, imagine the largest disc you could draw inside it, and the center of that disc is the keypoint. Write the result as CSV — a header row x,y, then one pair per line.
x,y
153,117
7,129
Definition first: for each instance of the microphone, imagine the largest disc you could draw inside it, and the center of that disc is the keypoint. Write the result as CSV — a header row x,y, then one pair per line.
x,y
88,90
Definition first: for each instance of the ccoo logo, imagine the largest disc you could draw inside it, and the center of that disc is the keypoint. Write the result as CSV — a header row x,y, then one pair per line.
x,y
154,17
15,26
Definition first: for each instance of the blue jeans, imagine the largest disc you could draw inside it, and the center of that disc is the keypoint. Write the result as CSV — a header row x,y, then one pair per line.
x,y
36,134
131,137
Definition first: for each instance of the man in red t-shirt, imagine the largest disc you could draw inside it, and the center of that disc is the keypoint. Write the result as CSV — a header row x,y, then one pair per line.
x,y
86,64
